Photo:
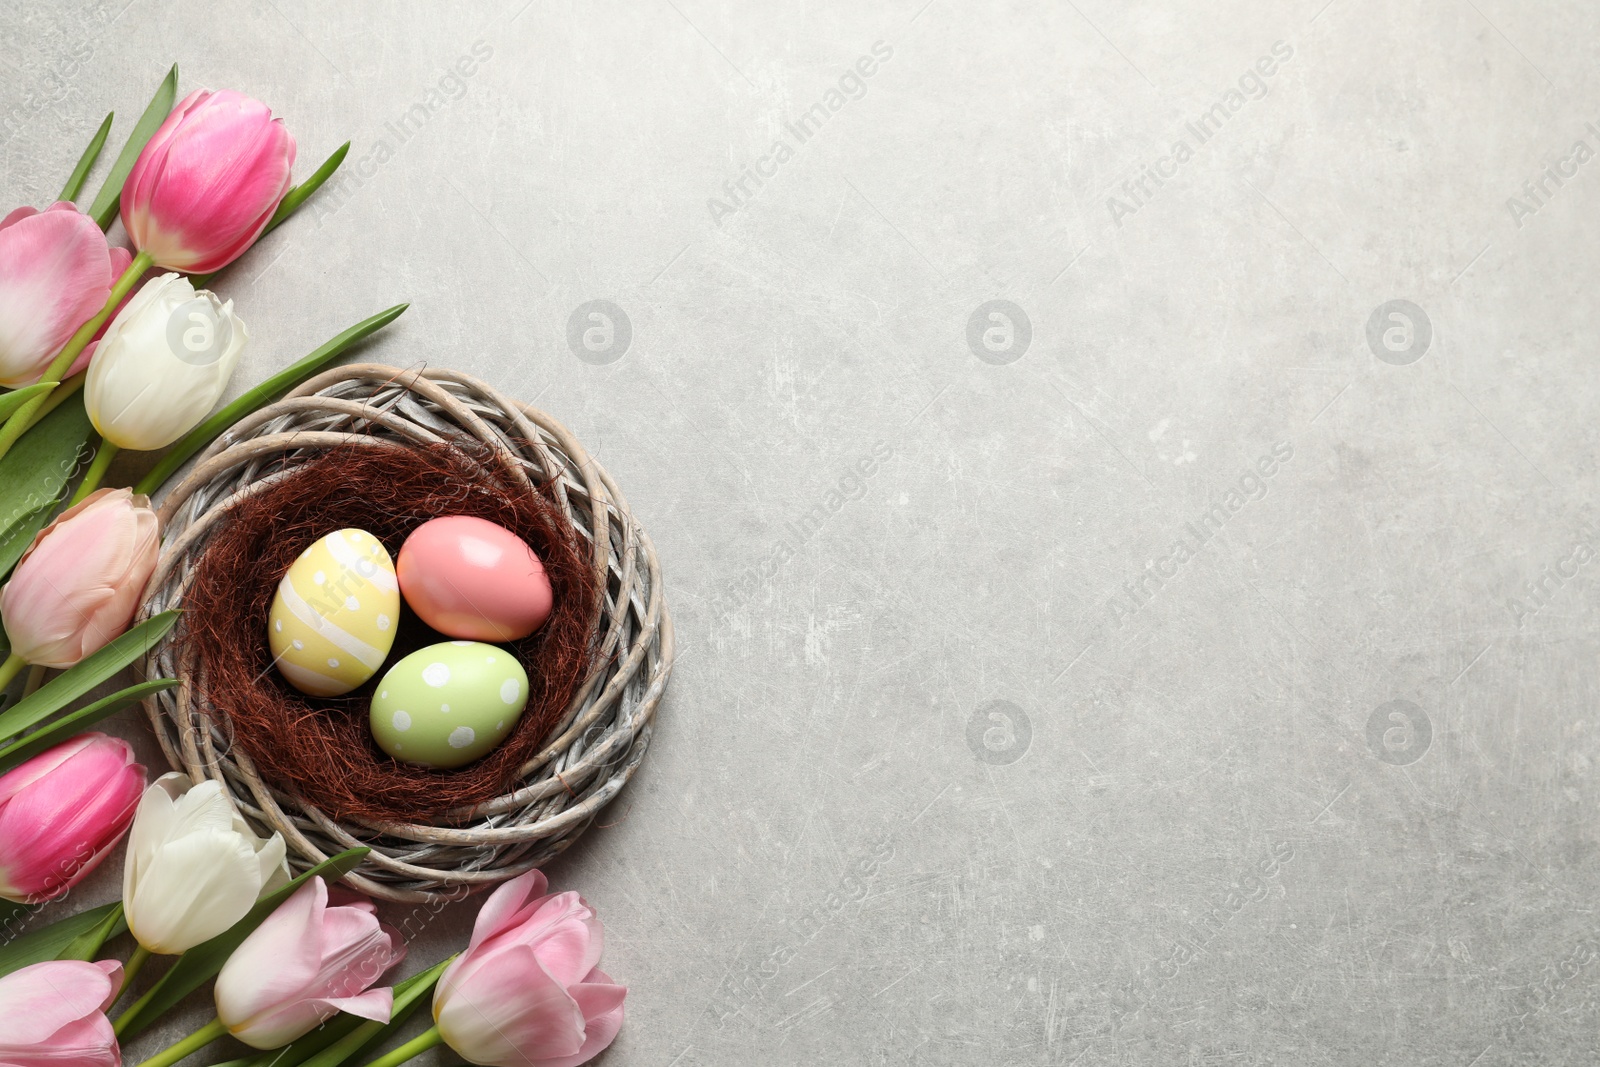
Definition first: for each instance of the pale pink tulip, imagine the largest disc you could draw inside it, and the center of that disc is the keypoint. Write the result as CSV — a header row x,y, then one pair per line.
x,y
304,965
62,812
54,1013
526,992
207,183
79,583
56,272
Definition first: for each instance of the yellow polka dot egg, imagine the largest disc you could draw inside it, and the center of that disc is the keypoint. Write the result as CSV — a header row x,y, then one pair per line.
x,y
333,618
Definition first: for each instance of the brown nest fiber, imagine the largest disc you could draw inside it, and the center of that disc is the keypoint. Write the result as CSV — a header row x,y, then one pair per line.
x,y
322,749
383,449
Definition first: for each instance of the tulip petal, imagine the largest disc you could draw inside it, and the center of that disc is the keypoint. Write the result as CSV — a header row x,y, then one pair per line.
x,y
197,886
55,274
374,1004
500,912
58,829
278,962
600,1000
38,1001
514,1014
87,1042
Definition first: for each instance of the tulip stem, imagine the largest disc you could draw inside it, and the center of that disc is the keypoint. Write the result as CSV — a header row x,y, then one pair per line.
x,y
23,416
10,668
97,470
193,1043
136,961
35,680
415,1047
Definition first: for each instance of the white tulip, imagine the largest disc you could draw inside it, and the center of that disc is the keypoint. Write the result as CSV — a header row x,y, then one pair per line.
x,y
163,364
194,867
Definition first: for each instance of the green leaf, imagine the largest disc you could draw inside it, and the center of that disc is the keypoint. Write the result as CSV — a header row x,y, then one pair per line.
x,y
69,726
15,541
300,193
35,473
262,395
290,203
87,945
74,184
200,964
104,208
85,675
48,942
409,995
17,397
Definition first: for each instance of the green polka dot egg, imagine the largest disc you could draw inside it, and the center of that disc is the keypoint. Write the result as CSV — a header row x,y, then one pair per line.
x,y
333,617
448,704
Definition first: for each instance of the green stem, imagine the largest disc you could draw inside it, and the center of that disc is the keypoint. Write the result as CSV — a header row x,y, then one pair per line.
x,y
193,1043
137,1007
136,961
97,470
415,1047
23,416
35,680
58,396
10,668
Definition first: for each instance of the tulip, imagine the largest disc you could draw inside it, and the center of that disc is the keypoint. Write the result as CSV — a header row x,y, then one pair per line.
x,y
302,966
526,992
194,867
56,273
62,812
54,1013
162,365
79,583
208,182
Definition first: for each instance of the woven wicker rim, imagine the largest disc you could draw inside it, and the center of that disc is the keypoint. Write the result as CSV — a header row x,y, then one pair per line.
x,y
607,729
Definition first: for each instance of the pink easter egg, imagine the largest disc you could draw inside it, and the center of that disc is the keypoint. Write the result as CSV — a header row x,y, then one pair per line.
x,y
470,578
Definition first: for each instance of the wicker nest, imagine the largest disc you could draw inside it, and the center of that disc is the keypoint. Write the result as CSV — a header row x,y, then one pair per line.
x,y
599,742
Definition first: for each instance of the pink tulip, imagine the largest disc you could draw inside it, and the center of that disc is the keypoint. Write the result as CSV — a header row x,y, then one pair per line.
x,y
304,965
207,183
526,992
79,583
54,1013
56,273
61,812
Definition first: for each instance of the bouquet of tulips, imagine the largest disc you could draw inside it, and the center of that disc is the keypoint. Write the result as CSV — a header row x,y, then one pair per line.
x,y
98,354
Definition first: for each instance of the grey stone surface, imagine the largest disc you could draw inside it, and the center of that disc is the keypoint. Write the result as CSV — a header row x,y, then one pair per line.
x,y
1065,735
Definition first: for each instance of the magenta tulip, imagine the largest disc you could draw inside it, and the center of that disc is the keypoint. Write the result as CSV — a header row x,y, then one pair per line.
x,y
54,1013
207,183
56,273
61,812
526,992
79,583
305,964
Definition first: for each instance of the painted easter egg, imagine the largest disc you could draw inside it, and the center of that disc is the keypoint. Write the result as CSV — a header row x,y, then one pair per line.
x,y
333,618
470,578
448,704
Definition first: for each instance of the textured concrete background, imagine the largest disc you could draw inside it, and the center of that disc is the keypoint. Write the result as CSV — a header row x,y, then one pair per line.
x,y
1166,684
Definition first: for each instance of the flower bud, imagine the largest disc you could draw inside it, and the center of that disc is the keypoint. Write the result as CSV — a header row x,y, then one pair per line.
x,y
56,273
163,364
208,182
527,991
194,867
61,812
77,586
305,964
